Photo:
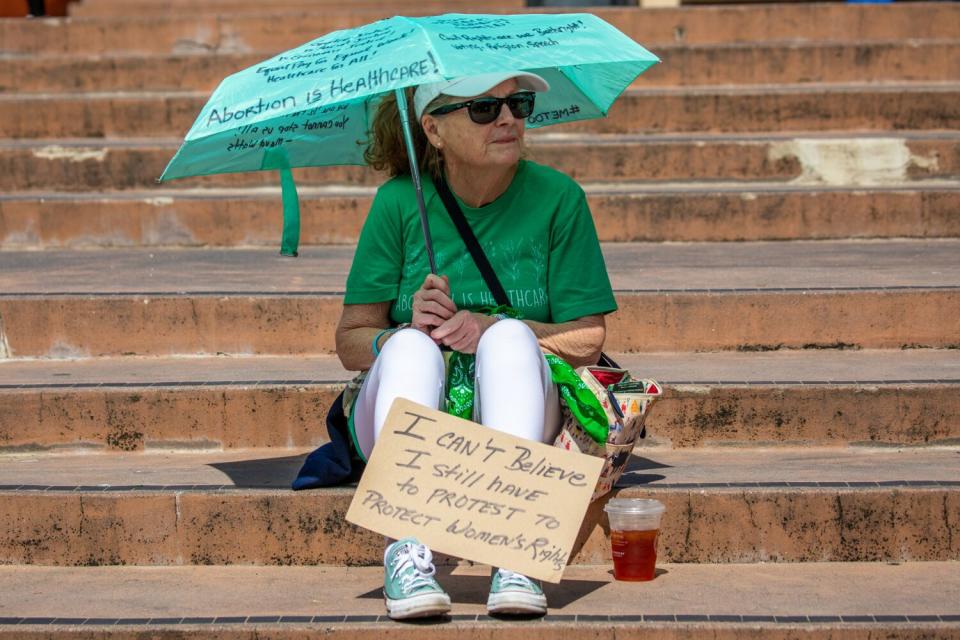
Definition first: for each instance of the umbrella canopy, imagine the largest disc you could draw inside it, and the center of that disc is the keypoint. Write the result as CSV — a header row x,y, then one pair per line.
x,y
312,105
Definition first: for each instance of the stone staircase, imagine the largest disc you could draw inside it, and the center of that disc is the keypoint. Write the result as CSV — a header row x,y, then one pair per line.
x,y
779,205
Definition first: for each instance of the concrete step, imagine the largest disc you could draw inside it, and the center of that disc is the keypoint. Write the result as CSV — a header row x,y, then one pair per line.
x,y
155,323
108,8
686,297
623,212
777,601
652,467
761,108
782,398
633,268
683,65
186,32
751,505
850,159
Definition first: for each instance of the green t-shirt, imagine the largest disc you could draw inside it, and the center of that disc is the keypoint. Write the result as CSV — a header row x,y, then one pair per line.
x,y
539,238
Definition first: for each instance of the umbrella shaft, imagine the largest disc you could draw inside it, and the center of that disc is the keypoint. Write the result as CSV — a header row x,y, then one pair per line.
x,y
415,174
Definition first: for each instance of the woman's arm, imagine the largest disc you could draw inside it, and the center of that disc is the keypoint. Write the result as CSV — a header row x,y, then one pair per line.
x,y
359,323
579,341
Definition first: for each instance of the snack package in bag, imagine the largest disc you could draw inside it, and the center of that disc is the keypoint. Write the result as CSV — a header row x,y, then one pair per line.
x,y
625,401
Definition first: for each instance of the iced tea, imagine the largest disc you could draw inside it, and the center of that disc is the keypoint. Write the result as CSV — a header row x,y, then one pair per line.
x,y
634,554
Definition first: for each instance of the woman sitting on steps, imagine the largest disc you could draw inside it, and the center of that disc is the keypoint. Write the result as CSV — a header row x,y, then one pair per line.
x,y
409,333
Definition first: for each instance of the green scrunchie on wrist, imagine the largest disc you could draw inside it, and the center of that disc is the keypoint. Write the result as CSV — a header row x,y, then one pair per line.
x,y
376,341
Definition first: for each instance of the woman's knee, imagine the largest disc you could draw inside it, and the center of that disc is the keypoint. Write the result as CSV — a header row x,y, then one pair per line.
x,y
412,349
508,337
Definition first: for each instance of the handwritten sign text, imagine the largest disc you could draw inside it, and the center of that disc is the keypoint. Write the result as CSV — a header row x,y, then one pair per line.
x,y
474,492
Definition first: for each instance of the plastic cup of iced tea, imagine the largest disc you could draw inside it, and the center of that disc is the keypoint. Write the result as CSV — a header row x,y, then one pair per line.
x,y
634,528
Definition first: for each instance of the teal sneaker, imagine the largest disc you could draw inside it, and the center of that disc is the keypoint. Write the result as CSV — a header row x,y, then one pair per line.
x,y
515,593
409,587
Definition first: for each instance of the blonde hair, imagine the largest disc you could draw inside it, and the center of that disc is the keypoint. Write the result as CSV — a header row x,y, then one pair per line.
x,y
387,150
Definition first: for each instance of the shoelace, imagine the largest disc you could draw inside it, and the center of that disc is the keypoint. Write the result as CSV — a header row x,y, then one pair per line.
x,y
421,558
512,579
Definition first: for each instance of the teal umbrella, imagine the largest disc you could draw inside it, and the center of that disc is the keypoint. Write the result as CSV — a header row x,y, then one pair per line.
x,y
313,105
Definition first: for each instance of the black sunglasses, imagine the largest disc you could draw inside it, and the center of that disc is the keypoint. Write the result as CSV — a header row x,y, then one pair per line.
x,y
487,109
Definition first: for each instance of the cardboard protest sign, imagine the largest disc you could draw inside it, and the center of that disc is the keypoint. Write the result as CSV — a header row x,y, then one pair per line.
x,y
473,492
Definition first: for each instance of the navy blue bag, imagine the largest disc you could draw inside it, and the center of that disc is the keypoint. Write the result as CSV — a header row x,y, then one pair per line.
x,y
335,462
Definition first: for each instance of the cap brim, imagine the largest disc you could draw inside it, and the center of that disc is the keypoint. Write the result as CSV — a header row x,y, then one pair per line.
x,y
475,85
469,86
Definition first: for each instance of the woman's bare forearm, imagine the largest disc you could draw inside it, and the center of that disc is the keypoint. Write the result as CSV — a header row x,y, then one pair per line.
x,y
359,325
579,341
355,348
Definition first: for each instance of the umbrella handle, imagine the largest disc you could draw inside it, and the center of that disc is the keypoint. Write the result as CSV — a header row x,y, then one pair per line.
x,y
290,239
415,174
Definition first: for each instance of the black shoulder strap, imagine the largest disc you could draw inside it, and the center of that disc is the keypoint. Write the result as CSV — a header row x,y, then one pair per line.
x,y
479,257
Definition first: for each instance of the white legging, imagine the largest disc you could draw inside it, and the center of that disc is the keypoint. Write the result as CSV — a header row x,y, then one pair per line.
x,y
513,383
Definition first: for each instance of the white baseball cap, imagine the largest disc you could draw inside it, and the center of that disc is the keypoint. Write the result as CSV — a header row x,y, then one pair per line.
x,y
467,86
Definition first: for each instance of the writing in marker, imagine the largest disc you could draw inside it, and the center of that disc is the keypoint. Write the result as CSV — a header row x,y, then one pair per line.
x,y
460,475
452,442
508,488
375,501
409,430
230,114
543,469
463,502
412,463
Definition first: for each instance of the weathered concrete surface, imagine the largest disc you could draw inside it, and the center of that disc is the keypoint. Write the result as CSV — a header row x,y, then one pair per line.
x,y
861,161
633,212
229,402
689,416
752,523
184,371
690,297
683,65
92,164
292,415
490,629
813,319
810,589
797,62
167,219
207,324
839,366
673,267
174,33
249,526
188,417
102,8
650,467
149,325
809,107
